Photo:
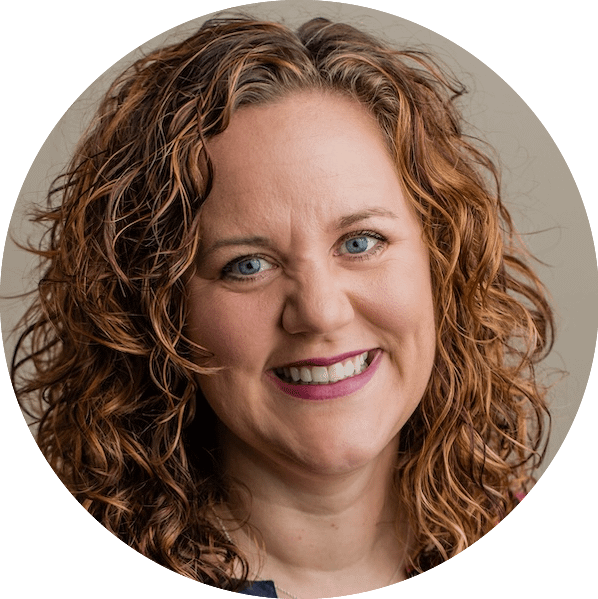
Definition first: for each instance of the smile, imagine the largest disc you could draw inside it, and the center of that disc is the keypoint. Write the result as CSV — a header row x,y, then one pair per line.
x,y
346,376
324,375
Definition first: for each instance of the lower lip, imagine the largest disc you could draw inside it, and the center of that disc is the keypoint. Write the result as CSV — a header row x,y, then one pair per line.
x,y
330,390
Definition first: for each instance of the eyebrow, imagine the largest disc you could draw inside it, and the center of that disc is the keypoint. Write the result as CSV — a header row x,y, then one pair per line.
x,y
351,219
264,242
235,241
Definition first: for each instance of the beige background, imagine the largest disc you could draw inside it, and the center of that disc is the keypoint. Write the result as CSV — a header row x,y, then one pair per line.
x,y
538,189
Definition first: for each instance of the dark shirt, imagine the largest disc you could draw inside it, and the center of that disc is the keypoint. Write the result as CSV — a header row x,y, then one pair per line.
x,y
260,588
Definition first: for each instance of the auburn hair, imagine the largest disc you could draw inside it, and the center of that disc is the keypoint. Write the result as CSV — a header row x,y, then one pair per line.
x,y
103,362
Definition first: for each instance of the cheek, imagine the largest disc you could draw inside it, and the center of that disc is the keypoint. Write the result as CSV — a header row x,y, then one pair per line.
x,y
233,327
402,310
400,301
235,336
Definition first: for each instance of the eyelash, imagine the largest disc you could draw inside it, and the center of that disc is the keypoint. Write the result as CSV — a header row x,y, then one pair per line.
x,y
372,252
227,274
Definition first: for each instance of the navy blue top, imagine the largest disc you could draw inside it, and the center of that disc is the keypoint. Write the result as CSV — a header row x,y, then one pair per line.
x,y
260,588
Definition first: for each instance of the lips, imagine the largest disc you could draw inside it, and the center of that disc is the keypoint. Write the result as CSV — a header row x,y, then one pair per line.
x,y
331,381
327,361
306,374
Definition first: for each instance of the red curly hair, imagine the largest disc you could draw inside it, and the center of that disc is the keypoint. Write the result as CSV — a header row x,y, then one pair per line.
x,y
104,362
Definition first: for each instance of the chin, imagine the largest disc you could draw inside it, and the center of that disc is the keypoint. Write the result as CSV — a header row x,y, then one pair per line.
x,y
346,457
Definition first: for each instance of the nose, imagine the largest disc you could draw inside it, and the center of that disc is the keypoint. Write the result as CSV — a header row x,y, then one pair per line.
x,y
317,303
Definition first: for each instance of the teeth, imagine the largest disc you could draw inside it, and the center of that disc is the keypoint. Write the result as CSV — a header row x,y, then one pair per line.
x,y
319,374
322,375
306,375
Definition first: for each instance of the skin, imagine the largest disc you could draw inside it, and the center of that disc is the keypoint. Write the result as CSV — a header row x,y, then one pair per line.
x,y
295,181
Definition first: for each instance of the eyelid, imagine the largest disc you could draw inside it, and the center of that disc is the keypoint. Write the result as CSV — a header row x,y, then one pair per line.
x,y
363,233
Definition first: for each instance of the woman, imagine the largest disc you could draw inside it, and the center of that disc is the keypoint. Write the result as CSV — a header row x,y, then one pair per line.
x,y
285,338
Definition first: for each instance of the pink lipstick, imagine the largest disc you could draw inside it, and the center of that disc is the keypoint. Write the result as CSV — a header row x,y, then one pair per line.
x,y
329,390
327,361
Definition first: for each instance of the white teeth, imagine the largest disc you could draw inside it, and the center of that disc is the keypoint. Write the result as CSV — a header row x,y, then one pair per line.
x,y
306,375
319,374
349,368
322,375
336,372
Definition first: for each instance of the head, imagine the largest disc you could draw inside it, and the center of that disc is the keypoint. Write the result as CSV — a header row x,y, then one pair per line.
x,y
309,257
128,356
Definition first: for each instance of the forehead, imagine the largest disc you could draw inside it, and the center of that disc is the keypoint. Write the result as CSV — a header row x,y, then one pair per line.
x,y
301,118
308,153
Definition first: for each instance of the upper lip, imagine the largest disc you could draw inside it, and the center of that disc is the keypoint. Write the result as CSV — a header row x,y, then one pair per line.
x,y
325,361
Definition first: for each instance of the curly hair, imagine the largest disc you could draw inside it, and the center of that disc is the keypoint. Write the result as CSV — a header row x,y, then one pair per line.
x,y
103,361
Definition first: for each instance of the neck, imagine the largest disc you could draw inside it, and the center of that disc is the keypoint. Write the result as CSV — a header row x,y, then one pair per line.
x,y
317,534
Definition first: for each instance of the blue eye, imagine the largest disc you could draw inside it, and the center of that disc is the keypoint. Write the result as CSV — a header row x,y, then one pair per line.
x,y
358,245
246,267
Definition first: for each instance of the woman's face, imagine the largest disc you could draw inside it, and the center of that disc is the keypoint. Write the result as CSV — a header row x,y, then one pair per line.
x,y
310,258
